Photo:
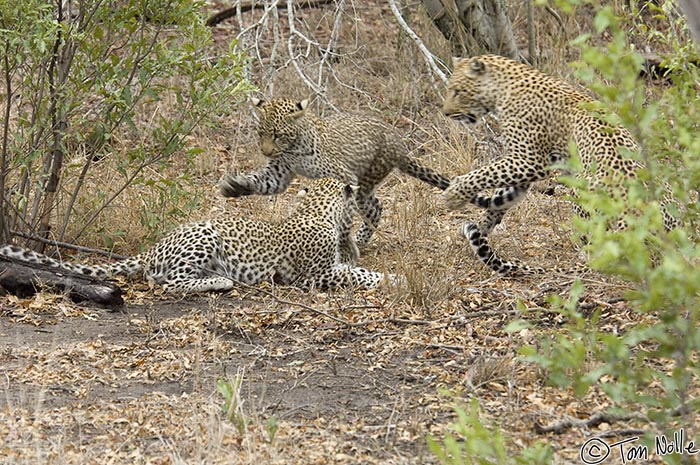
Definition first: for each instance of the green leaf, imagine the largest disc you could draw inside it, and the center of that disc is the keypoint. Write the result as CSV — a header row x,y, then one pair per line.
x,y
516,326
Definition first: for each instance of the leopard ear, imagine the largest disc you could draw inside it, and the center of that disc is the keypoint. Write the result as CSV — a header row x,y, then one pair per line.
x,y
456,61
477,66
257,103
301,109
350,190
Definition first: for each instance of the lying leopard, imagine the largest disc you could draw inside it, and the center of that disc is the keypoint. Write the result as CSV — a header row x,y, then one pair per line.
x,y
354,149
312,248
539,116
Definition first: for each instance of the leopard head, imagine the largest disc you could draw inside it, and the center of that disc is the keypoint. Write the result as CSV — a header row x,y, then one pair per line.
x,y
468,96
278,126
331,199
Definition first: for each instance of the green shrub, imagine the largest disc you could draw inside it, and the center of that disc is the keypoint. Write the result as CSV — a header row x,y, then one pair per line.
x,y
103,96
472,443
651,369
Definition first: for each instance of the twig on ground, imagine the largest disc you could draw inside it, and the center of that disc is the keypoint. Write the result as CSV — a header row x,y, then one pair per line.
x,y
447,347
303,306
343,321
496,312
590,422
622,433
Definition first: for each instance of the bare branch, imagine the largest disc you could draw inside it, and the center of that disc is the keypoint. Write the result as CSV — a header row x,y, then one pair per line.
x,y
427,55
236,10
66,245
331,43
293,56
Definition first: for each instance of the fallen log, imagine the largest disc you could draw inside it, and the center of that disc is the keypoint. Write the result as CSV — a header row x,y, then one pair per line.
x,y
249,6
24,279
654,68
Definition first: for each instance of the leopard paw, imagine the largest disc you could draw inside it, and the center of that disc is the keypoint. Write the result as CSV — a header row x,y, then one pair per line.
x,y
235,186
453,198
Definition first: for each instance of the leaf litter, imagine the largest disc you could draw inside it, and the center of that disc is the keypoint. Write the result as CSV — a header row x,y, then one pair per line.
x,y
363,384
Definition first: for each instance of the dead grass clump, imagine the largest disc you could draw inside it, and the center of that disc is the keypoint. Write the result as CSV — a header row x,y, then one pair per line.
x,y
485,370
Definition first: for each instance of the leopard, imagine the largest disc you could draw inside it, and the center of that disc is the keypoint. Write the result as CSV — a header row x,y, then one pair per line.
x,y
356,149
540,116
313,248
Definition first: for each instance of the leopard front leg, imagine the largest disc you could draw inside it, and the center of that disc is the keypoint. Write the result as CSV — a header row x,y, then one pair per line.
x,y
371,211
344,276
272,179
512,176
497,205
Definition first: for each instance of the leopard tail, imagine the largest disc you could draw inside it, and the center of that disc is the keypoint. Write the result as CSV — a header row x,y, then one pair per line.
x,y
413,168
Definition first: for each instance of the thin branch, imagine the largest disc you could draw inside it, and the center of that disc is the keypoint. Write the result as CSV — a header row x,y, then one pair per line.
x,y
292,303
66,245
135,100
427,55
123,187
273,6
330,49
5,139
293,57
531,46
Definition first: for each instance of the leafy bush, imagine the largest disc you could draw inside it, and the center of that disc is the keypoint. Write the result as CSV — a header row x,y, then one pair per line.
x,y
653,368
475,444
100,95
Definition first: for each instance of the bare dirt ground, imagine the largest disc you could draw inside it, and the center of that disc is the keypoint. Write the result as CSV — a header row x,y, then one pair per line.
x,y
347,378
339,378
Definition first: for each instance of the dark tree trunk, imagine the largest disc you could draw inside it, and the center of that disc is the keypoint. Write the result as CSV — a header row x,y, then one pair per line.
x,y
474,27
691,9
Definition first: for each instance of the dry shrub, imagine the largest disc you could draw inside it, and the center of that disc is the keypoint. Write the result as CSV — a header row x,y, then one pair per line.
x,y
488,369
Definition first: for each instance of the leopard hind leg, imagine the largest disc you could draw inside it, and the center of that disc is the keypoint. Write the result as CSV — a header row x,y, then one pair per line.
x,y
489,257
188,285
512,181
371,212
